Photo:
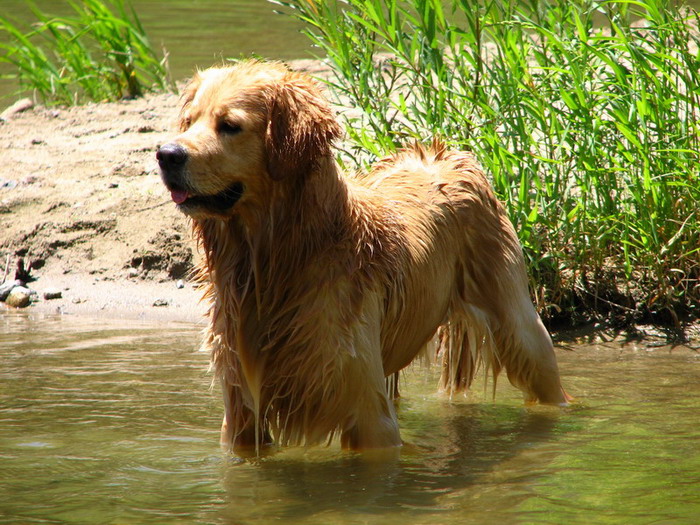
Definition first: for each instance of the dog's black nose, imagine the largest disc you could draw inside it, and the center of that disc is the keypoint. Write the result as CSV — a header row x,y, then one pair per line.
x,y
171,156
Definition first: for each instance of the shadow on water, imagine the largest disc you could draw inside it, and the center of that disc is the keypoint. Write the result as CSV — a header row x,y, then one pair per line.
x,y
448,454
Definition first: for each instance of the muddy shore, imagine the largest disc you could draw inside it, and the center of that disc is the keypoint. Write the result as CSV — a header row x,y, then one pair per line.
x,y
81,203
82,206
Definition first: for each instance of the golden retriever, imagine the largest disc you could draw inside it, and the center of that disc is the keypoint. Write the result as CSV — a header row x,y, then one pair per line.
x,y
324,286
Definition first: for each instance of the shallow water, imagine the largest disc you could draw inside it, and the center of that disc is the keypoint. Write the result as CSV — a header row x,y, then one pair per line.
x,y
195,33
111,423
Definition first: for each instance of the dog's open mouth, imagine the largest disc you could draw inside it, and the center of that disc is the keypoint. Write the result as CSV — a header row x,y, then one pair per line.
x,y
221,201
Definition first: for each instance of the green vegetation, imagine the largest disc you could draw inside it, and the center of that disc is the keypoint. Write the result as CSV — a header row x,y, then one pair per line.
x,y
584,113
100,53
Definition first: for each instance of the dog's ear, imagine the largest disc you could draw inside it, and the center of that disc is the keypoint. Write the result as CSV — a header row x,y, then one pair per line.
x,y
186,101
301,127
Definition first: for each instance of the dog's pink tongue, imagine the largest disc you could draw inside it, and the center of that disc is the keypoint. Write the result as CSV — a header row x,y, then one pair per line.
x,y
179,196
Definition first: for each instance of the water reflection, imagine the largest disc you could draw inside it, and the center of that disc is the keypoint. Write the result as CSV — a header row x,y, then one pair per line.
x,y
104,423
463,448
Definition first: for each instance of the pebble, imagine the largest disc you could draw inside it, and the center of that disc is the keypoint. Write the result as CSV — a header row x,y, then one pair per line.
x,y
6,288
21,105
19,297
132,272
52,293
180,284
161,302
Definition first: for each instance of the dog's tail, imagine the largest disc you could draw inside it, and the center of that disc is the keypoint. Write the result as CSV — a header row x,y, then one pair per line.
x,y
465,343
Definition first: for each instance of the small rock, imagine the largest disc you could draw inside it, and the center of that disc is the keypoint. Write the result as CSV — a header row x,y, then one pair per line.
x,y
19,297
180,284
161,302
132,272
6,288
52,293
21,105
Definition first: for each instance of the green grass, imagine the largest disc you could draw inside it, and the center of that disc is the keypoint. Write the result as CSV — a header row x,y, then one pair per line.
x,y
99,53
585,118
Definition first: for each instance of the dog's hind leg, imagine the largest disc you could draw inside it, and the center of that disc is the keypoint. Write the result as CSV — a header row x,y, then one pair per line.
x,y
493,321
534,370
520,346
238,429
523,347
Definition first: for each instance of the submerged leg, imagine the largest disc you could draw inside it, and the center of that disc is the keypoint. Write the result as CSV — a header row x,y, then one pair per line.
x,y
373,426
238,429
371,419
526,351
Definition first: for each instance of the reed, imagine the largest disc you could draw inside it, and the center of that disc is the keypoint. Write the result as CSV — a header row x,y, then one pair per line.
x,y
584,113
101,52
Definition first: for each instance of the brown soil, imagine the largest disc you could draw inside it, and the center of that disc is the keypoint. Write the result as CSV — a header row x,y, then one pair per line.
x,y
81,202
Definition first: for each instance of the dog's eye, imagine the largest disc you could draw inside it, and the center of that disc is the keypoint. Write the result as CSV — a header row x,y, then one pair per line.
x,y
228,128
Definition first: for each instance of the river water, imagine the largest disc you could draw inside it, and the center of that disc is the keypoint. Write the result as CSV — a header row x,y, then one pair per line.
x,y
195,33
110,423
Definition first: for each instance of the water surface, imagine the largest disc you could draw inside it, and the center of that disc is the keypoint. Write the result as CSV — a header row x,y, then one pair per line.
x,y
111,423
195,33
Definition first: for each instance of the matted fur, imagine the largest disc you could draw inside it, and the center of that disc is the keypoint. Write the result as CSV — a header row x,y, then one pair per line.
x,y
322,284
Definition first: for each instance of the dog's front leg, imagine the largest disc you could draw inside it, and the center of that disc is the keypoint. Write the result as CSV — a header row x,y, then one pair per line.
x,y
372,422
374,426
241,431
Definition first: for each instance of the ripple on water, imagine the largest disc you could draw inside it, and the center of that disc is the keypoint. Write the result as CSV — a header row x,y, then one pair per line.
x,y
109,423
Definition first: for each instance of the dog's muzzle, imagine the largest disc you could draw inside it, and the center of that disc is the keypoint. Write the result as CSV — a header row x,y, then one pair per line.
x,y
172,158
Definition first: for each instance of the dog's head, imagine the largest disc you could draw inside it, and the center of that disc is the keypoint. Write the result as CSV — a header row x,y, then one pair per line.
x,y
244,129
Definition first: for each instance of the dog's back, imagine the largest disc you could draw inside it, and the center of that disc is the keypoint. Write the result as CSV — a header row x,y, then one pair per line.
x,y
465,272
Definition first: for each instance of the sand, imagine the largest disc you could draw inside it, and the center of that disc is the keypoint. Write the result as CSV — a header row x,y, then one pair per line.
x,y
82,205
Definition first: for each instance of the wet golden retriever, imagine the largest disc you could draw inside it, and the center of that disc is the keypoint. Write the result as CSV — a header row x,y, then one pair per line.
x,y
323,286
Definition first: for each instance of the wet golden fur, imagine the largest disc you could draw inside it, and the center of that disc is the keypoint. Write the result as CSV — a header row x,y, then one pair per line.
x,y
322,285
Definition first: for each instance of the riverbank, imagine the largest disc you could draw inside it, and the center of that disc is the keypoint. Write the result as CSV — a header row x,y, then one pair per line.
x,y
82,206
